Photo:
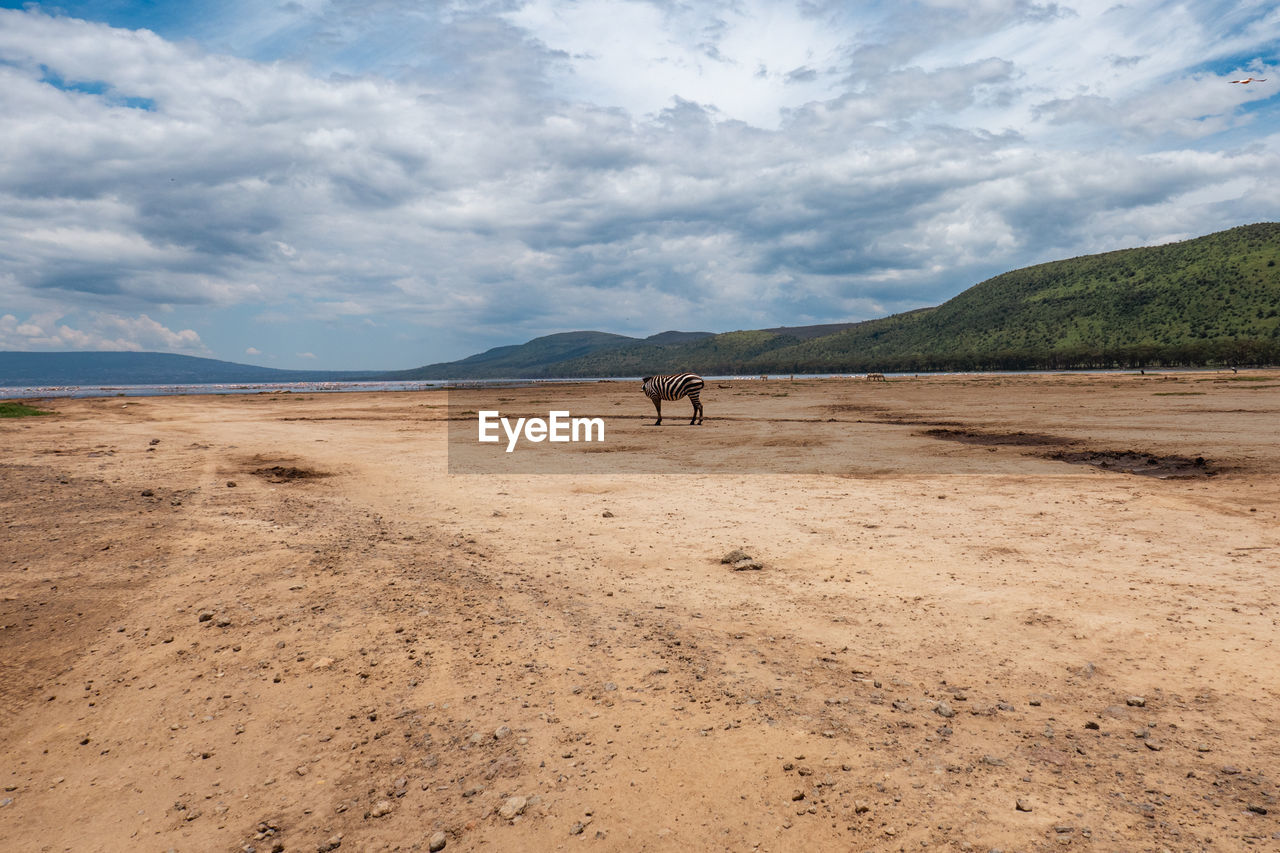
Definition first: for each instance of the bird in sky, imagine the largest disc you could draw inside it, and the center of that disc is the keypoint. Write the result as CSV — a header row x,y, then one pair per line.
x,y
1251,80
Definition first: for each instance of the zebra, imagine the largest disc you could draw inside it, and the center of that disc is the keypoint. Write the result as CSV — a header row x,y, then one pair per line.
x,y
673,387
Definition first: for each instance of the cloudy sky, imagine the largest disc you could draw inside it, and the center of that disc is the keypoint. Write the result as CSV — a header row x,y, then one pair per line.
x,y
386,183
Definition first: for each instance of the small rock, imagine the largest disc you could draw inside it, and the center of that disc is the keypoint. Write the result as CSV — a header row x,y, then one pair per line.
x,y
333,843
205,616
1256,809
804,771
147,493
737,555
903,705
1022,805
501,732
577,828
943,709
1136,702
1230,770
992,761
748,565
322,663
154,442
797,795
380,808
861,807
231,484
1154,746
1092,726
223,622
605,514
437,842
512,807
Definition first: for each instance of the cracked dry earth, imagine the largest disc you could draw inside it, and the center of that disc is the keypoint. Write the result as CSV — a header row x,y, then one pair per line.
x,y
275,622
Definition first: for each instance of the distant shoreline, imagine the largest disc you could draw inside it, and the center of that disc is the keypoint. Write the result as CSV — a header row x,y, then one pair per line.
x,y
29,392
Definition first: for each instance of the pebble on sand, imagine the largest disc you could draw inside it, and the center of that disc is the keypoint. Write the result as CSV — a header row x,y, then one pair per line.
x,y
437,842
1136,702
380,808
512,807
1022,805
737,555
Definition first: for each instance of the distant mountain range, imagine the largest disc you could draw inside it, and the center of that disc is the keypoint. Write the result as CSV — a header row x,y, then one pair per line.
x,y
147,368
1210,300
579,351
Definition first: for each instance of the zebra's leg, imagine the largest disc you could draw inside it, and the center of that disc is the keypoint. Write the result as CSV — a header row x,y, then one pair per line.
x,y
699,412
696,406
657,404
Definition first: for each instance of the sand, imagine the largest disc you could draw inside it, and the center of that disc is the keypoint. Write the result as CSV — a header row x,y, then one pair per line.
x,y
276,621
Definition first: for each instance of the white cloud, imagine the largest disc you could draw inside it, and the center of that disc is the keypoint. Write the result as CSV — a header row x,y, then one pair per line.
x,y
252,351
99,331
632,167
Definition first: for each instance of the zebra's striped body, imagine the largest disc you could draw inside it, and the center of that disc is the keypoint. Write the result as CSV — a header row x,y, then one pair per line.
x,y
673,387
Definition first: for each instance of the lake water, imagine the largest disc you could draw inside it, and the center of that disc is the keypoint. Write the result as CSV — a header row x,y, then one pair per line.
x,y
28,392
34,391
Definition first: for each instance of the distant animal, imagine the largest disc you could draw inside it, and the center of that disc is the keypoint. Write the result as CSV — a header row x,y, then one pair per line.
x,y
673,387
876,377
1249,80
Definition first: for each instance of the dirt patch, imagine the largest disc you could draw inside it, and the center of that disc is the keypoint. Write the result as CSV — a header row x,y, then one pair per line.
x,y
792,442
913,422
286,473
1142,464
1016,439
266,666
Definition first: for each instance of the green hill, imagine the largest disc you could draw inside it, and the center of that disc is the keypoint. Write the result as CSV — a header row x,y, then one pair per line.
x,y
1210,300
540,356
521,359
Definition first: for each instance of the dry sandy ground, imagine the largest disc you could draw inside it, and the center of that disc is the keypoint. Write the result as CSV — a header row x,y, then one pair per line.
x,y
955,643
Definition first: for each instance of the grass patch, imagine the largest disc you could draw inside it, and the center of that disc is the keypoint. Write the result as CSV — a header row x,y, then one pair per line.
x,y
20,410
